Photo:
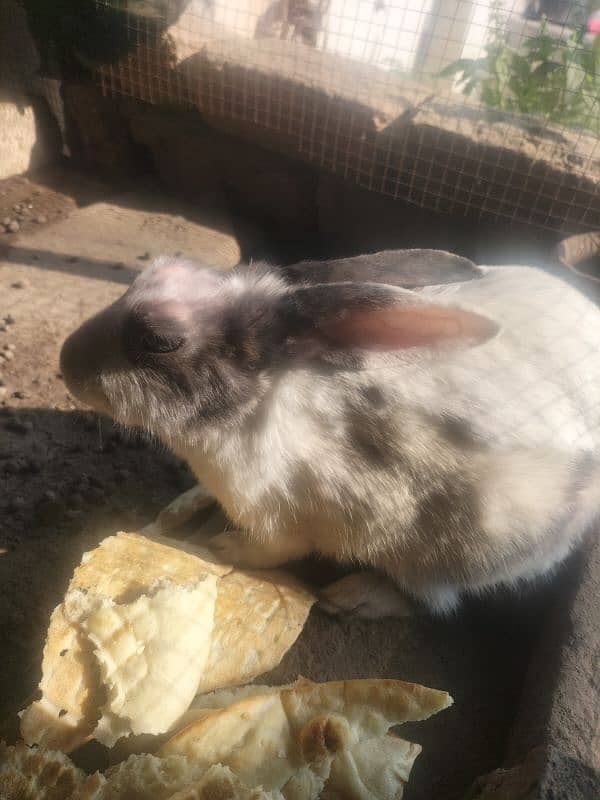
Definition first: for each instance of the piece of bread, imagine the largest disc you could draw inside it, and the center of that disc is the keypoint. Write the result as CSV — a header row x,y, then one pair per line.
x,y
301,742
32,773
311,739
96,683
151,653
375,768
219,783
146,777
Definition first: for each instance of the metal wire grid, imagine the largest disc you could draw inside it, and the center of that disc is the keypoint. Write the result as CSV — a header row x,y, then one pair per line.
x,y
249,61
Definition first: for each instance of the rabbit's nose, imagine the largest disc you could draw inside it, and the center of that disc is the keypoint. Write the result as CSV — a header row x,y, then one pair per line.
x,y
87,353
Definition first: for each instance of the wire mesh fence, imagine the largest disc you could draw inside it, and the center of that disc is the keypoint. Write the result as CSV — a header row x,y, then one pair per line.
x,y
455,105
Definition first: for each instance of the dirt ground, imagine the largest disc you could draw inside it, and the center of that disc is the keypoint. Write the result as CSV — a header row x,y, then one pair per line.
x,y
64,475
69,478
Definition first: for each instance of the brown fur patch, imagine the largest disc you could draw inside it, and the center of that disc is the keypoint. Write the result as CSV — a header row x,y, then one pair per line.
x,y
454,506
457,431
374,396
373,436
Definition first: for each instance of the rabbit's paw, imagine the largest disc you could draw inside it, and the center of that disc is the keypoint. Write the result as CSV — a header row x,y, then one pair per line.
x,y
366,595
180,510
234,547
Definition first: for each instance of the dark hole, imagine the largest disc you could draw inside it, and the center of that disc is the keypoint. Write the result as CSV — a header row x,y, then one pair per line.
x,y
64,652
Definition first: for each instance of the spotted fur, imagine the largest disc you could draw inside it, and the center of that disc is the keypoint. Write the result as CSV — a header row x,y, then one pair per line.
x,y
454,464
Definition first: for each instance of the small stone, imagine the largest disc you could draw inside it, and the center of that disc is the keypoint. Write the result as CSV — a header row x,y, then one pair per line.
x,y
37,191
20,395
8,355
17,285
17,207
3,327
3,392
6,221
29,206
9,346
9,319
40,219
144,257
14,226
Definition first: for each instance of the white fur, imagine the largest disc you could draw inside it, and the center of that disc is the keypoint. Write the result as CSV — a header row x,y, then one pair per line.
x,y
532,393
451,470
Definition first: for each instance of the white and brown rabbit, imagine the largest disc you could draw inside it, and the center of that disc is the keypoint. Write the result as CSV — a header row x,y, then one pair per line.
x,y
405,411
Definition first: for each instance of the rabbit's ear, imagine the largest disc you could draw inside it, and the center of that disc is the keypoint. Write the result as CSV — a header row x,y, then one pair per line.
x,y
371,317
407,327
407,268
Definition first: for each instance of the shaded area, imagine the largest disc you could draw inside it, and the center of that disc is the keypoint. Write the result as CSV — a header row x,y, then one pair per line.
x,y
72,478
73,265
68,480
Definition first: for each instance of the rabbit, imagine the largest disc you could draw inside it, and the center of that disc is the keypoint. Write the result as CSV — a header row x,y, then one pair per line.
x,y
429,420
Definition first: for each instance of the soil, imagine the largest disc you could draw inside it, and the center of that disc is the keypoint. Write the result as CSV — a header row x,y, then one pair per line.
x,y
64,474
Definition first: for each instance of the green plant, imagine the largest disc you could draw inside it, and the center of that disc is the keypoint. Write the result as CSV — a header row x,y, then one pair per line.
x,y
557,79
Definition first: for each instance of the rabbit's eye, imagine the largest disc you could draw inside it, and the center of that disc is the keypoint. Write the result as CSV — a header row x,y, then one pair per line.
x,y
153,342
151,334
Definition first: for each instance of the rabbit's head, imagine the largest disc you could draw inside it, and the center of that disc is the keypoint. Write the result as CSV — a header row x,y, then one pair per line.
x,y
188,345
